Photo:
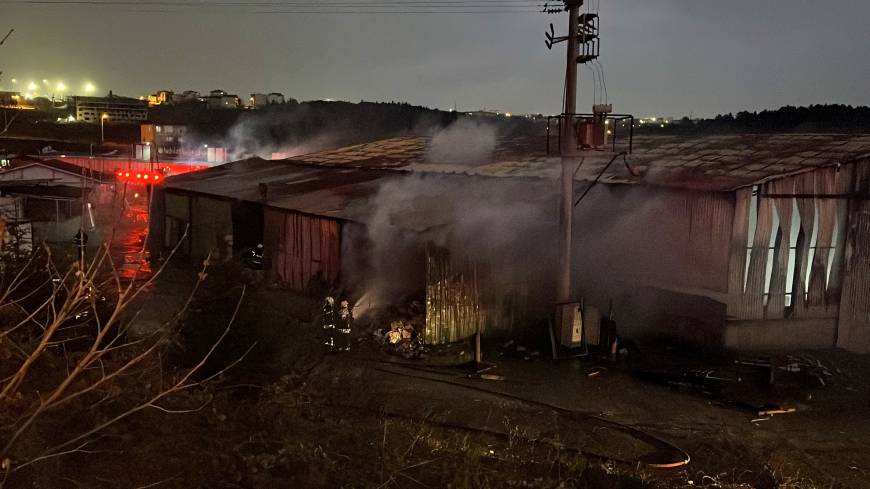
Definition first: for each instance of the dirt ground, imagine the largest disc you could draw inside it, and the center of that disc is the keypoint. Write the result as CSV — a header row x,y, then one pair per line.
x,y
291,415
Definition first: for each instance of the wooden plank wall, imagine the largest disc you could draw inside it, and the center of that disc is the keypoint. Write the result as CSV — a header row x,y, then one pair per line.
x,y
854,325
816,298
302,248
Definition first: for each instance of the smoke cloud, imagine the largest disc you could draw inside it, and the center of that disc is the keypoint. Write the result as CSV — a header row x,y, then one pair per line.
x,y
466,141
630,241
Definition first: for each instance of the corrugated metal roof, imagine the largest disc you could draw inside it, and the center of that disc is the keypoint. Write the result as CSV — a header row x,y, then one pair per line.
x,y
305,188
725,162
342,193
59,165
334,183
717,162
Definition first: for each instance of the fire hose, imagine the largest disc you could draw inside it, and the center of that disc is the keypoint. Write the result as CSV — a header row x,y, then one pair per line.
x,y
665,455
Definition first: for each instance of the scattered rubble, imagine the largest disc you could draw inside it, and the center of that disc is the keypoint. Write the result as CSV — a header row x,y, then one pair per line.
x,y
402,339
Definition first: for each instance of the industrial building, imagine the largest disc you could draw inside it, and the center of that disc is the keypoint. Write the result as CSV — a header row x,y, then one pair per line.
x,y
44,200
114,107
738,241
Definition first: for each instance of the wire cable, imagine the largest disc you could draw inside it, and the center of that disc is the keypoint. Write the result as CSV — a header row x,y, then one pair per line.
x,y
380,5
598,177
603,80
305,7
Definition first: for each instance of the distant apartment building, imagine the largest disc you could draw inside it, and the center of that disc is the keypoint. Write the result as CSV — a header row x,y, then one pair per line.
x,y
219,99
185,97
166,139
258,100
116,108
162,97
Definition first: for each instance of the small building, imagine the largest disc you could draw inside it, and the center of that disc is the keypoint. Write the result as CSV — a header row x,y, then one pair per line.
x,y
739,241
163,97
167,139
219,99
258,100
275,98
187,96
116,108
50,196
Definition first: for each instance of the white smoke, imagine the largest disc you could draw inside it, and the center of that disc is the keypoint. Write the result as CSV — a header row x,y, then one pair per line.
x,y
466,141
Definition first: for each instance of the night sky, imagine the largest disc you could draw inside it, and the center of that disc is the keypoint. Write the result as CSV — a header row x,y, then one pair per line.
x,y
662,57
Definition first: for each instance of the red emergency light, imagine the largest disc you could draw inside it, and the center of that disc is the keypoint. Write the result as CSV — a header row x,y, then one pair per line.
x,y
141,178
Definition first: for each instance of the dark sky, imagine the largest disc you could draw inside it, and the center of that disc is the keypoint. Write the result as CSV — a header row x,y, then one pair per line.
x,y
661,57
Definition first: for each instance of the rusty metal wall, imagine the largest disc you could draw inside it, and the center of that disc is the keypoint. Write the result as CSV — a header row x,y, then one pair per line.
x,y
302,247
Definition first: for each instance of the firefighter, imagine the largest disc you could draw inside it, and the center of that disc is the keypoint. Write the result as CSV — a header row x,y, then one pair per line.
x,y
345,322
327,322
81,242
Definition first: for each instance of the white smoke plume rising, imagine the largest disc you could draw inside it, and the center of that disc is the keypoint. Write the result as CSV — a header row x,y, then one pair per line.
x,y
466,141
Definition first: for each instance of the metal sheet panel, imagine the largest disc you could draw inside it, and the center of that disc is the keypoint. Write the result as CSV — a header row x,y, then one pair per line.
x,y
177,206
854,324
210,223
302,248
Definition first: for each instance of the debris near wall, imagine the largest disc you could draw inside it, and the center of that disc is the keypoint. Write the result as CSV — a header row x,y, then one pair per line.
x,y
454,305
402,338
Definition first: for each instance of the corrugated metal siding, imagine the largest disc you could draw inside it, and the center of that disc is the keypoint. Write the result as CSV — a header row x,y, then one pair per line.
x,y
778,278
302,247
854,324
178,206
211,221
737,267
817,297
455,307
710,220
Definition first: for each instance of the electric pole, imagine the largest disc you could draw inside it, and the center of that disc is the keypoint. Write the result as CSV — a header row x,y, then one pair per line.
x,y
570,160
582,47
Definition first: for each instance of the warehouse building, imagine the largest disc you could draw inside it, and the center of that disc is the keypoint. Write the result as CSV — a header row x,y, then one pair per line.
x,y
746,242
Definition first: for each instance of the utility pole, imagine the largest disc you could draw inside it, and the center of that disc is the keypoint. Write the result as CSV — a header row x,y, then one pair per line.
x,y
582,47
570,160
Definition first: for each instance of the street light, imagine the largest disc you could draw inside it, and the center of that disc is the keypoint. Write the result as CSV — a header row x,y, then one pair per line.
x,y
103,119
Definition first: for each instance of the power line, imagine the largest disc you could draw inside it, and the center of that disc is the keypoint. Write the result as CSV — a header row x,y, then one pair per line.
x,y
380,4
320,8
491,3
